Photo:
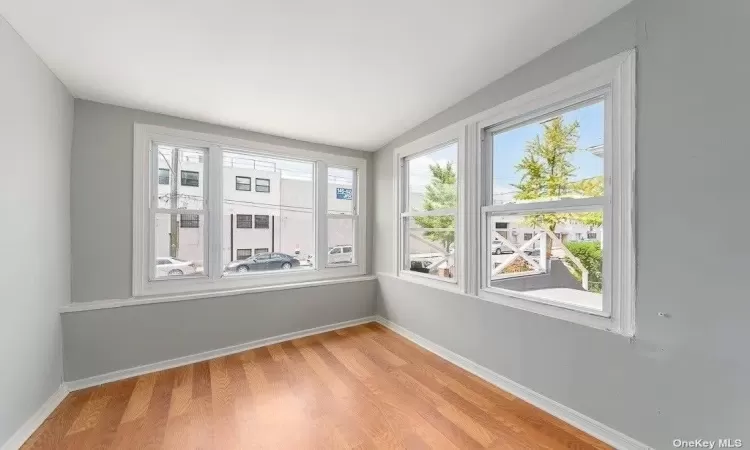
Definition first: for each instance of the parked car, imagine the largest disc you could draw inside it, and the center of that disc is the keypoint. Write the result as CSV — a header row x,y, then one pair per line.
x,y
340,254
263,261
168,266
499,248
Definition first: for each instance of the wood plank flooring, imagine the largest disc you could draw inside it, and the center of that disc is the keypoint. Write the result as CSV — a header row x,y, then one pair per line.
x,y
361,387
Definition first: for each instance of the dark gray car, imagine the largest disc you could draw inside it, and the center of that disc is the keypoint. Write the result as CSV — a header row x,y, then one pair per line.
x,y
263,261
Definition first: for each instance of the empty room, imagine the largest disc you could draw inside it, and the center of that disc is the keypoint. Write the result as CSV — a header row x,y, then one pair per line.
x,y
394,224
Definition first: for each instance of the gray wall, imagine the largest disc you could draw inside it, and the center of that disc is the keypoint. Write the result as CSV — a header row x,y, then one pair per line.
x,y
685,376
36,125
102,341
102,192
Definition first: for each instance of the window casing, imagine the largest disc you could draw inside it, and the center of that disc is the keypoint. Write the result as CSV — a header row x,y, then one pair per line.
x,y
430,210
505,233
202,192
244,220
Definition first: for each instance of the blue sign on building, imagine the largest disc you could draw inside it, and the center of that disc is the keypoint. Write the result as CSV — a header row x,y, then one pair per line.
x,y
343,194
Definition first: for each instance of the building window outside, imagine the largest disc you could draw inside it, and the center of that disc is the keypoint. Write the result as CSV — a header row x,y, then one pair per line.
x,y
189,178
163,176
242,183
244,220
261,221
189,220
244,253
262,185
261,250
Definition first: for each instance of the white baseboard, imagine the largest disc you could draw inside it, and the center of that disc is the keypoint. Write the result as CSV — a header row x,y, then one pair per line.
x,y
36,420
204,356
562,412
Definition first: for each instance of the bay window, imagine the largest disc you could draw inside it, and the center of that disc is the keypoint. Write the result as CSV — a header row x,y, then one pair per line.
x,y
206,219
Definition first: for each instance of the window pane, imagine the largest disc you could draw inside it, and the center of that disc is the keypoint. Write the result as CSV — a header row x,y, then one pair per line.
x,y
242,183
261,221
262,185
279,220
557,157
340,241
432,179
163,176
562,265
244,220
179,250
340,191
430,244
180,178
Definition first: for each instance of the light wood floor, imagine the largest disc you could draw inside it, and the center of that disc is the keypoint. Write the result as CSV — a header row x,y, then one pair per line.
x,y
361,387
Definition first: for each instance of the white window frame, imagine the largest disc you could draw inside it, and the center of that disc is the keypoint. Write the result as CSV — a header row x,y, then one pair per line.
x,y
145,179
612,79
453,134
354,216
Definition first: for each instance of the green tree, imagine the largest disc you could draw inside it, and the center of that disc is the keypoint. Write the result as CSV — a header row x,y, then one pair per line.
x,y
440,194
547,171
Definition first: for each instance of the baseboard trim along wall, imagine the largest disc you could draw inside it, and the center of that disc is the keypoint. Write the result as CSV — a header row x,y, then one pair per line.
x,y
562,412
36,420
204,356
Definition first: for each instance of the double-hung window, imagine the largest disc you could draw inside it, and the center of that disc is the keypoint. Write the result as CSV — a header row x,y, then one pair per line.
x,y
193,206
428,208
546,217
342,215
556,164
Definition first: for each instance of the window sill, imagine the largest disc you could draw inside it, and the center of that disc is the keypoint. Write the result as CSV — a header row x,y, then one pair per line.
x,y
444,285
137,301
556,312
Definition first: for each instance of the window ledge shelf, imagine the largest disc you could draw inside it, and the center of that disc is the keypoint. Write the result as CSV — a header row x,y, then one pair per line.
x,y
510,301
137,301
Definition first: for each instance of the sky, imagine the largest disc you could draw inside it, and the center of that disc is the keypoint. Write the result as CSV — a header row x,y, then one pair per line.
x,y
509,146
419,167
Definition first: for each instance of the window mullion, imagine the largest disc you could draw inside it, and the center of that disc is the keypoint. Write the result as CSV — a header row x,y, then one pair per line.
x,y
214,208
320,212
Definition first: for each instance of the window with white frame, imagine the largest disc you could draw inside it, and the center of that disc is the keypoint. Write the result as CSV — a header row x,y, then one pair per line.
x,y
200,221
342,215
548,182
546,216
557,163
429,212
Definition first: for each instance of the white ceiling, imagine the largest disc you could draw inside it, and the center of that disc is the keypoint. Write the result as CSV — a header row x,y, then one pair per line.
x,y
352,73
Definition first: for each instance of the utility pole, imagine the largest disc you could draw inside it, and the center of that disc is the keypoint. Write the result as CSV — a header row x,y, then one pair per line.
x,y
174,230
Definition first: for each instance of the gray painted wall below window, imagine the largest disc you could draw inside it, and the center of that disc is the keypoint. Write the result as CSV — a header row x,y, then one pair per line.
x,y
107,340
36,127
682,376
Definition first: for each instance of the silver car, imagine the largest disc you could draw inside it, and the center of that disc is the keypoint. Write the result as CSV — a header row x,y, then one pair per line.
x,y
168,266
